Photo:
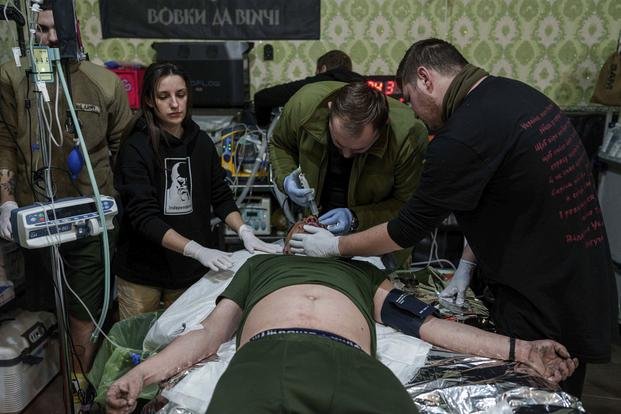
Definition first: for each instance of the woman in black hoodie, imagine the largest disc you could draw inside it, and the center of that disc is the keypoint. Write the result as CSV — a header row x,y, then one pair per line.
x,y
169,178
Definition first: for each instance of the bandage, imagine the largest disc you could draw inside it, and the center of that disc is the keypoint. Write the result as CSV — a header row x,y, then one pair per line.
x,y
405,312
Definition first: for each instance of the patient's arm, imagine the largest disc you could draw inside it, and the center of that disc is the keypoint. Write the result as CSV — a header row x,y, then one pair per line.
x,y
546,358
180,354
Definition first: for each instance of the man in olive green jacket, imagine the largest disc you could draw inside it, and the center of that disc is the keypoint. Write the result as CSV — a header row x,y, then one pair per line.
x,y
360,151
102,107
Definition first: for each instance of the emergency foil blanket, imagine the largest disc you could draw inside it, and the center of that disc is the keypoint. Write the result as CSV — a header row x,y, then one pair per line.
x,y
452,383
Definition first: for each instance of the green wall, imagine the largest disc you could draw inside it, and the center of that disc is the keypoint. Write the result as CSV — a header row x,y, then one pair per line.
x,y
557,46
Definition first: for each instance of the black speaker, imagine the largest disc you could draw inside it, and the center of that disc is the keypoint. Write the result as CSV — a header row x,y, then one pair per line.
x,y
218,71
65,24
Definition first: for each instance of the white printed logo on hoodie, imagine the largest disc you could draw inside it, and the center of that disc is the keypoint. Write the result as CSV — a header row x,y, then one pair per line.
x,y
178,196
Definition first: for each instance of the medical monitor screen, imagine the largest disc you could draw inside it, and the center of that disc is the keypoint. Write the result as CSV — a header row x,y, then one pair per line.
x,y
71,211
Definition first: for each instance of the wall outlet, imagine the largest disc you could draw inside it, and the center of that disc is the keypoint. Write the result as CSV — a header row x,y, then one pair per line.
x,y
268,52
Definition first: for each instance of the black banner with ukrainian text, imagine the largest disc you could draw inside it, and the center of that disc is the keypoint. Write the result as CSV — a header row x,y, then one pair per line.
x,y
211,19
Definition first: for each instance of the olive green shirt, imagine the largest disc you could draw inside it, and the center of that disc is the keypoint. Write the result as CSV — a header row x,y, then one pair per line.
x,y
266,273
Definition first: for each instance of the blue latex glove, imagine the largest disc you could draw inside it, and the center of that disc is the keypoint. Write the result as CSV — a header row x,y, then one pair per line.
x,y
337,220
293,188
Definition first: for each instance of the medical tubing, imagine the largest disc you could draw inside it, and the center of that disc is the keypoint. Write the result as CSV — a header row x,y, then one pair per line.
x,y
428,263
97,196
60,129
253,173
64,276
251,177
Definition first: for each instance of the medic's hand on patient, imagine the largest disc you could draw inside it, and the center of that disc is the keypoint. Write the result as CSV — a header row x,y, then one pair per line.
x,y
252,243
211,258
298,194
123,394
338,220
316,241
545,358
455,290
5,219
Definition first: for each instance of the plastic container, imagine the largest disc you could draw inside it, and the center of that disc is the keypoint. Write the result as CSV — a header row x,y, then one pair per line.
x,y
29,357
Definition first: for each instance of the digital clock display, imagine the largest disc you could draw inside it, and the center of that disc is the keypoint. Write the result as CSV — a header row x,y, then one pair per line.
x,y
385,84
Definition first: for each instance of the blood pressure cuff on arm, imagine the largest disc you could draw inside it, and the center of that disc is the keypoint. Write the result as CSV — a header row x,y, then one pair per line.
x,y
405,312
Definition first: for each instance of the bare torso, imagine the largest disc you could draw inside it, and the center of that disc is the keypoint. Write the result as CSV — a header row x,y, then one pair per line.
x,y
315,307
309,306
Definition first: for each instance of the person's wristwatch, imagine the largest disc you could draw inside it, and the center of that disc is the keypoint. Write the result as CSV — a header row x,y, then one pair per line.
x,y
354,222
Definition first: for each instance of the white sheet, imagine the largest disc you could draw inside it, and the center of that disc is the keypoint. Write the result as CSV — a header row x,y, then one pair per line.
x,y
403,354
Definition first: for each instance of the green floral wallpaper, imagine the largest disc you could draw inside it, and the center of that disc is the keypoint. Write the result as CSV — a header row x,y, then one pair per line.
x,y
557,46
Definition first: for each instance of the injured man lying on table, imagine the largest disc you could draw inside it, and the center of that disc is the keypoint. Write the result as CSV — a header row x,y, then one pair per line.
x,y
306,341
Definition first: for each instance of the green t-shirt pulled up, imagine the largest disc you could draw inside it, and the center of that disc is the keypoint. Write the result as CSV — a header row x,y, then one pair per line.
x,y
266,273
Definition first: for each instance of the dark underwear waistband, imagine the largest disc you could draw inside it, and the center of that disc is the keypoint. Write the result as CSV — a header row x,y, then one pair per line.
x,y
306,331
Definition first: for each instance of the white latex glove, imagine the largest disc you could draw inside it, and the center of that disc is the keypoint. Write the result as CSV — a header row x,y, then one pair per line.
x,y
456,288
5,219
211,258
319,243
252,243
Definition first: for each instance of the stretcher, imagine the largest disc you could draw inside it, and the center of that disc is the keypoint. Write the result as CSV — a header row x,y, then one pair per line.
x,y
437,380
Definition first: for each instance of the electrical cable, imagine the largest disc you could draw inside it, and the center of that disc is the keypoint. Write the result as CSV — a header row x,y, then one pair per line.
x,y
41,133
431,245
28,104
37,176
433,254
59,264
97,196
45,139
30,14
56,103
428,263
247,187
6,5
46,147
255,167
49,127
90,315
70,352
11,12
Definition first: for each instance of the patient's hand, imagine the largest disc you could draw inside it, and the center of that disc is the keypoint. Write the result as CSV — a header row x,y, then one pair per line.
x,y
545,358
123,393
